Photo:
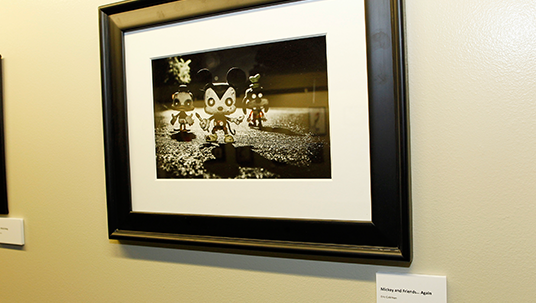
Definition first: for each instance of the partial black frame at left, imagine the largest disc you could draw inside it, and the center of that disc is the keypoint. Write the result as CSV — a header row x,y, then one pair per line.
x,y
3,187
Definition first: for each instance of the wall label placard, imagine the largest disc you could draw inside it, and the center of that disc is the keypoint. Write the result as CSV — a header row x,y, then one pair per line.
x,y
12,231
409,288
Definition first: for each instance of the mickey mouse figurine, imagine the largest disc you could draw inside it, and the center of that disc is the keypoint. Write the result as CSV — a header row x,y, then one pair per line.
x,y
220,102
182,101
254,100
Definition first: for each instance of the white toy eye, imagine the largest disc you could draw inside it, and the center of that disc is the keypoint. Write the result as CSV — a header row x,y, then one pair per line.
x,y
260,95
253,96
228,101
211,102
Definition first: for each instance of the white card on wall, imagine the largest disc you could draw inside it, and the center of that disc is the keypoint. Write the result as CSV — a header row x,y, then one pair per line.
x,y
11,231
408,288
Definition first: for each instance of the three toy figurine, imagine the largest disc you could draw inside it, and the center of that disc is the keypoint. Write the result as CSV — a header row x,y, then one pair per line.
x,y
220,101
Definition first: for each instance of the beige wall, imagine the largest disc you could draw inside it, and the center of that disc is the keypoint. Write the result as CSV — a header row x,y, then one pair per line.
x,y
472,71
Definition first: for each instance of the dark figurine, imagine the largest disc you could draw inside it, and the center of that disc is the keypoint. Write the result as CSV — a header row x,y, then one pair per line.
x,y
256,102
220,102
182,101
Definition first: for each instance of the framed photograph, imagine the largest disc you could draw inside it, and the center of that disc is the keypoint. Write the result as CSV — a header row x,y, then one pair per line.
x,y
3,184
264,127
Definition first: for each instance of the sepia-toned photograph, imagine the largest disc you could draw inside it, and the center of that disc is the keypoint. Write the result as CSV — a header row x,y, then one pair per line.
x,y
248,112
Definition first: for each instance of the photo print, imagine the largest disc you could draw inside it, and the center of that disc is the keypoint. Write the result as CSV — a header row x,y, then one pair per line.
x,y
248,112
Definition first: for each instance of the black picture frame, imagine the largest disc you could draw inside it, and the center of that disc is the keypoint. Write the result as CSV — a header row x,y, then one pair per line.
x,y
3,182
384,240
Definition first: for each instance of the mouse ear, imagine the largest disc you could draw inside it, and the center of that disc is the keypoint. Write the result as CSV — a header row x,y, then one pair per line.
x,y
203,77
236,77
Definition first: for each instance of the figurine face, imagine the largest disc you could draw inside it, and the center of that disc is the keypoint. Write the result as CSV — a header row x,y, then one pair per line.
x,y
225,105
255,100
182,101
